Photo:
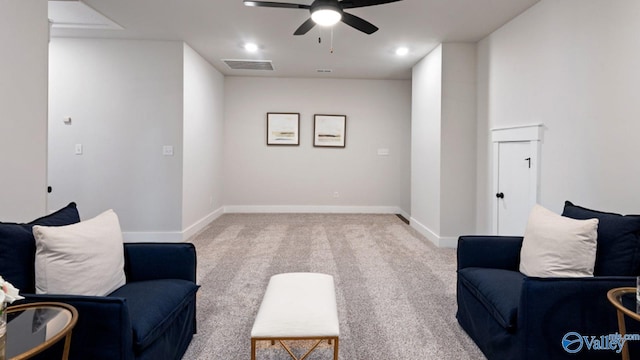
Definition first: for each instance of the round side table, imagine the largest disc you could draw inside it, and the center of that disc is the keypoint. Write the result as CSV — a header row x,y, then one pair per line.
x,y
624,299
34,327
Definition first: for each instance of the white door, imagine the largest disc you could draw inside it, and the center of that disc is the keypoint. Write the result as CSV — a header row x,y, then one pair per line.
x,y
514,186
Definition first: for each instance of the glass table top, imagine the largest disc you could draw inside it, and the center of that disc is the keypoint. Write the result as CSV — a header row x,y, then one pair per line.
x,y
628,300
31,326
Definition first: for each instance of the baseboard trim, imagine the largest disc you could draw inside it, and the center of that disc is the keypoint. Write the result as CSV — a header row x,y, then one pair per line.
x,y
448,242
437,240
172,236
201,224
233,209
144,236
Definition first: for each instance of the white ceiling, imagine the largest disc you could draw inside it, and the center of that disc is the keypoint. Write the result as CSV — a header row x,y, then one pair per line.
x,y
217,29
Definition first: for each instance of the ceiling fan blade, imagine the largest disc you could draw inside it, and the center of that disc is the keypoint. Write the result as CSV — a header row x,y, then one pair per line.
x,y
276,4
305,27
351,4
359,23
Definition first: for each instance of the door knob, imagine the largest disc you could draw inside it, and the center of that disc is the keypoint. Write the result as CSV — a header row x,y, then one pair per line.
x,y
500,195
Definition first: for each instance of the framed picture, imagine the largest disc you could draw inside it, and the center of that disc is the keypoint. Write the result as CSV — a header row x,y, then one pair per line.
x,y
283,129
329,130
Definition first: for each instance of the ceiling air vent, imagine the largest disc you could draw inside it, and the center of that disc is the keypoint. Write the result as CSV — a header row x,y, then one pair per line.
x,y
324,71
249,64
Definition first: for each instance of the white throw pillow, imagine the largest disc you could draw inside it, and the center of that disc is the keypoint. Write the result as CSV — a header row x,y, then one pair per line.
x,y
86,258
557,246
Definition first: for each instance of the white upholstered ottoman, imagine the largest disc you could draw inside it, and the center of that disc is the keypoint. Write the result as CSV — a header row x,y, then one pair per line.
x,y
297,306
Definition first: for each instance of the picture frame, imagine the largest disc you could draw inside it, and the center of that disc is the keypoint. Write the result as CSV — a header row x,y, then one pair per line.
x,y
283,129
329,130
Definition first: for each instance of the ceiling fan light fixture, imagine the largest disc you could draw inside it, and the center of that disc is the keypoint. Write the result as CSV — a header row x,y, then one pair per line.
x,y
327,16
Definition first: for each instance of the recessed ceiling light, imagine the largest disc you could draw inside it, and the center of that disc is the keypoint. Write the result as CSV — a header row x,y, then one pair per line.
x,y
402,51
251,47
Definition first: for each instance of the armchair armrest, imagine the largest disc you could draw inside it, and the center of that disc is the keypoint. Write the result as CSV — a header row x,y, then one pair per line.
x,y
103,330
551,307
152,261
496,252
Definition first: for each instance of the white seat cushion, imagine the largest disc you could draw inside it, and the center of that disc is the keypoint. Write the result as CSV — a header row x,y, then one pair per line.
x,y
298,305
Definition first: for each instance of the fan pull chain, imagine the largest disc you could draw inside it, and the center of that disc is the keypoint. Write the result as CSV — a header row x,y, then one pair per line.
x,y
331,41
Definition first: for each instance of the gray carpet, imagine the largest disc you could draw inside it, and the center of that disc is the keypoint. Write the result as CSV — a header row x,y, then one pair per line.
x,y
395,290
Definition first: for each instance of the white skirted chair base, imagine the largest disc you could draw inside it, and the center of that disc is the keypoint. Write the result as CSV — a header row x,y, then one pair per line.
x,y
298,306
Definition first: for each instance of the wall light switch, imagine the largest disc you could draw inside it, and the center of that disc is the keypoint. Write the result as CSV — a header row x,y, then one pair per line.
x,y
67,120
78,149
383,152
167,150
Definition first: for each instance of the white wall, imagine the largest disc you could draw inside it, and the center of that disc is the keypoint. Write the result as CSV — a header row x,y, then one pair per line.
x,y
573,66
125,100
203,141
24,33
458,190
425,142
283,178
443,150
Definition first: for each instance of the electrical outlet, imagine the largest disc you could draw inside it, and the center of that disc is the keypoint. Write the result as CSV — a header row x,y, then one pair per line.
x,y
336,195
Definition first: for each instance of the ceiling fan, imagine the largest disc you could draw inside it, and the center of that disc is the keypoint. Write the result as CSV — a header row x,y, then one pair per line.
x,y
328,13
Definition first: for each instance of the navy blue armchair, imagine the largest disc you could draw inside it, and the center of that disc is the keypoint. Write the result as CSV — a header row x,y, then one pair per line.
x,y
512,316
152,316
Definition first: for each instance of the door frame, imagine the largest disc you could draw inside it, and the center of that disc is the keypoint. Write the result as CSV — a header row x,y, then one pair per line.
x,y
532,134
